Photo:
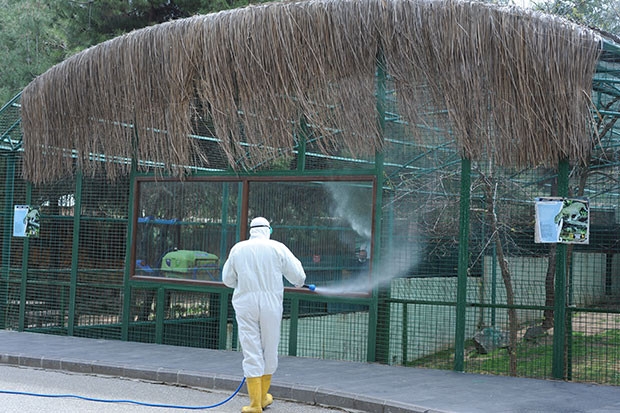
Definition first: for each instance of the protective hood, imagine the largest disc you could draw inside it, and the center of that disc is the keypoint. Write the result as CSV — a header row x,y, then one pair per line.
x,y
260,228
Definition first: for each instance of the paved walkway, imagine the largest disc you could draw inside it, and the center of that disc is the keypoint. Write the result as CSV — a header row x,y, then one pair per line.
x,y
362,386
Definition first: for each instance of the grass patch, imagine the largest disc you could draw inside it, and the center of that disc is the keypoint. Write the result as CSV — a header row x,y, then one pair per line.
x,y
592,358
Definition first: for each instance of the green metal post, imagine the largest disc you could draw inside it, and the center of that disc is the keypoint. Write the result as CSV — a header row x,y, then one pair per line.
x,y
494,285
24,282
293,330
225,296
224,219
405,335
461,289
9,183
390,223
301,149
240,187
223,321
75,247
569,319
381,298
160,315
128,255
559,310
379,316
373,311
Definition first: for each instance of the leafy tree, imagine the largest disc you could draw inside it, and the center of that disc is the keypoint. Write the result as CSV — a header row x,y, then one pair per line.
x,y
38,34
32,41
91,22
603,15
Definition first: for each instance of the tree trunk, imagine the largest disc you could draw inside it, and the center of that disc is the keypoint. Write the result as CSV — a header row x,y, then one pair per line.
x,y
547,322
513,322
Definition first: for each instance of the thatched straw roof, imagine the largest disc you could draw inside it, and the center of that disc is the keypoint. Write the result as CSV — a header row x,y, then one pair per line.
x,y
516,84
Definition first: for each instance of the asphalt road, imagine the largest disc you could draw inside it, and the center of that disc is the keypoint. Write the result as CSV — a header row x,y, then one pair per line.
x,y
46,382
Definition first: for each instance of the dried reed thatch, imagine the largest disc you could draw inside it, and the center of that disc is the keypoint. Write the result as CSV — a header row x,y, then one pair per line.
x,y
515,84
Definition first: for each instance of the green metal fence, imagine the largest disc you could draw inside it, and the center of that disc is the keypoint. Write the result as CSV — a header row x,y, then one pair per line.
x,y
76,278
453,280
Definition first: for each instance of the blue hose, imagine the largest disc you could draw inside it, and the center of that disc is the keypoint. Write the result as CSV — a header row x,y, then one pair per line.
x,y
92,399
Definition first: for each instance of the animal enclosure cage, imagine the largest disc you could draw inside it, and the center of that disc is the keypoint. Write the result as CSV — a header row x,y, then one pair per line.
x,y
450,276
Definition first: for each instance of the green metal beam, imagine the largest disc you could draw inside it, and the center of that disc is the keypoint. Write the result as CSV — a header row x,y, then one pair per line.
x,y
379,315
127,285
24,274
608,112
223,298
160,314
75,250
9,182
609,46
303,135
463,260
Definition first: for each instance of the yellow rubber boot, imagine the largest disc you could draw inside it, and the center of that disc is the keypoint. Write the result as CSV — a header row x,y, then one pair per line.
x,y
255,393
267,398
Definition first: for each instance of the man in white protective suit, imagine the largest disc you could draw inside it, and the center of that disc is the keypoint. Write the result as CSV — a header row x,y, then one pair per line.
x,y
254,268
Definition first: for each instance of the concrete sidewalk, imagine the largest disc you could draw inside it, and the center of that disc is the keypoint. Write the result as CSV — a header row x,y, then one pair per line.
x,y
363,386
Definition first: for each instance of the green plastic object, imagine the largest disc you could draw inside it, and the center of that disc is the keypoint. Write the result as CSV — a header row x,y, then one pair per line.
x,y
190,265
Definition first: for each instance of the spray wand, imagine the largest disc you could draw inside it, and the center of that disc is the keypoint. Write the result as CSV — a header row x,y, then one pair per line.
x,y
311,287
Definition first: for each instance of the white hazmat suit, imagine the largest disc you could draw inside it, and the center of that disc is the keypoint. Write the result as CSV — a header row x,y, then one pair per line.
x,y
254,269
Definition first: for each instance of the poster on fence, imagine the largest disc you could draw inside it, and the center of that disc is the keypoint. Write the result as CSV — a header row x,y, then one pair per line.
x,y
562,220
26,221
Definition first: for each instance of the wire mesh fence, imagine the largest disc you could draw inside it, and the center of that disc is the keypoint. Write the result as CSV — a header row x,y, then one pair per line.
x,y
420,258
499,317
